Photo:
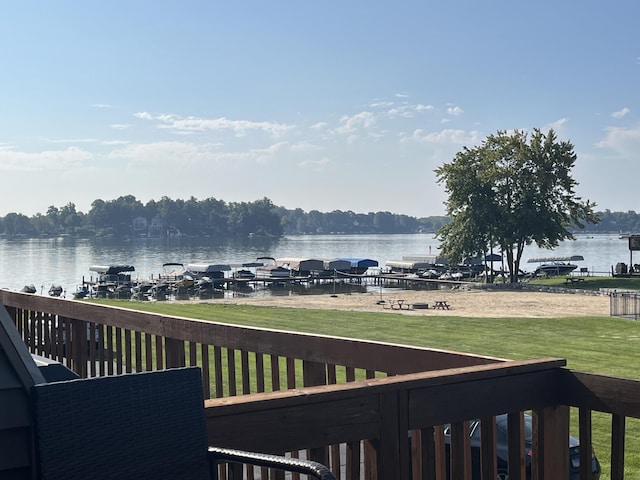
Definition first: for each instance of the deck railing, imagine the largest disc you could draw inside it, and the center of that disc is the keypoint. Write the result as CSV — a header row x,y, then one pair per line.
x,y
368,409
100,340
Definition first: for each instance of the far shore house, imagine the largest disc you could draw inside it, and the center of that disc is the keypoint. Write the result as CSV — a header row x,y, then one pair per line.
x,y
140,225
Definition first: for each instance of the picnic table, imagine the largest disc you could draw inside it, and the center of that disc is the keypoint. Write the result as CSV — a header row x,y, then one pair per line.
x,y
397,304
573,280
441,305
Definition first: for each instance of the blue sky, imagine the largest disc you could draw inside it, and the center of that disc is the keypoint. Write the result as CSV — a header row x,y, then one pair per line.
x,y
324,106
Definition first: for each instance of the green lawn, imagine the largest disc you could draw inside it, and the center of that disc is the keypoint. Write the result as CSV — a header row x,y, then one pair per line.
x,y
593,283
596,344
603,345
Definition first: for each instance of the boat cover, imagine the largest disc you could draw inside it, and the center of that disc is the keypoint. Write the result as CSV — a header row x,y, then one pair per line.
x,y
572,258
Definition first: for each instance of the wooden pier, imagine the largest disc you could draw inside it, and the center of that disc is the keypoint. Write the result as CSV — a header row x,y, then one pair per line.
x,y
162,288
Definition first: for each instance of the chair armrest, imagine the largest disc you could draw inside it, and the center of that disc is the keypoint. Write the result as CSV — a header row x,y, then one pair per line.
x,y
308,467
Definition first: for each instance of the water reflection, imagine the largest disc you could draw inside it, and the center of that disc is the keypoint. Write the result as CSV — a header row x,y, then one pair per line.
x,y
65,261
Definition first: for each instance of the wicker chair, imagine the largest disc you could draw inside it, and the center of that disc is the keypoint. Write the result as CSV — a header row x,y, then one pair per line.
x,y
136,426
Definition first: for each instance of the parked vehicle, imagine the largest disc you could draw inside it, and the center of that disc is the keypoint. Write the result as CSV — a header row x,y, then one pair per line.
x,y
502,449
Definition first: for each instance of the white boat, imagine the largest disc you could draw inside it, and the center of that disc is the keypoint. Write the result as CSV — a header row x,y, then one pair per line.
x,y
109,278
245,271
209,274
270,269
301,266
244,274
550,266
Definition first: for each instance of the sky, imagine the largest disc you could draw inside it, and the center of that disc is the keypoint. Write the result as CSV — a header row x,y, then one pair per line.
x,y
333,105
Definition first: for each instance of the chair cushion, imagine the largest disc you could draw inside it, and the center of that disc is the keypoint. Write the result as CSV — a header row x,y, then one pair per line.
x,y
136,426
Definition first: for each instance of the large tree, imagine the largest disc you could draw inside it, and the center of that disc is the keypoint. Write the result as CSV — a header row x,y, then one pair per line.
x,y
509,192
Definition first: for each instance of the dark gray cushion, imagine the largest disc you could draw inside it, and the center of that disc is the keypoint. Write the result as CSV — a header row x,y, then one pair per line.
x,y
137,426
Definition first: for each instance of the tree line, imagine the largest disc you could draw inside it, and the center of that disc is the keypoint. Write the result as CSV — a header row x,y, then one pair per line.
x,y
215,217
127,216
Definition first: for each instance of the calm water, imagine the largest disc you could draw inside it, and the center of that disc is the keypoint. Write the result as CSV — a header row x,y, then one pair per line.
x,y
65,261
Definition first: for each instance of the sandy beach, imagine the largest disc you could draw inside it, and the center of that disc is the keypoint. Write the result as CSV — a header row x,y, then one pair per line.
x,y
463,302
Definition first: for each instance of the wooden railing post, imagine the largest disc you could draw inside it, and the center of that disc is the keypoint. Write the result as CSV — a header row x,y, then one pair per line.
x,y
553,449
314,374
79,344
585,426
515,437
175,353
393,448
618,430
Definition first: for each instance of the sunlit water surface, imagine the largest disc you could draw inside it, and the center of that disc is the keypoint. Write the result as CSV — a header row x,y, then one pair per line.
x,y
65,261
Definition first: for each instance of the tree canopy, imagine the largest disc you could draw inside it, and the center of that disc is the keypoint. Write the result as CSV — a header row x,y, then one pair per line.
x,y
509,192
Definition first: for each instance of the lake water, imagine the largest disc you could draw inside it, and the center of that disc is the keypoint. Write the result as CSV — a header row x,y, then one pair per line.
x,y
65,261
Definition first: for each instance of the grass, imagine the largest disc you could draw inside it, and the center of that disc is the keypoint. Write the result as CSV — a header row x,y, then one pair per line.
x,y
593,283
604,345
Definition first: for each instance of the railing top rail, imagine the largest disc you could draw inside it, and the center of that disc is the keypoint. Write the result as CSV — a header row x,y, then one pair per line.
x,y
602,393
287,398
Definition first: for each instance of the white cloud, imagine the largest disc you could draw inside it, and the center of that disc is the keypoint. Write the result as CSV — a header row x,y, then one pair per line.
x,y
55,160
422,108
316,165
558,124
74,140
445,137
350,124
164,153
621,113
121,126
407,111
624,141
455,111
143,115
176,155
266,155
304,147
239,128
381,104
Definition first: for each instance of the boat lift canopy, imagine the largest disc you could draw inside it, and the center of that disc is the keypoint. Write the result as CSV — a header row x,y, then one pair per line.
x,y
111,269
572,258
208,267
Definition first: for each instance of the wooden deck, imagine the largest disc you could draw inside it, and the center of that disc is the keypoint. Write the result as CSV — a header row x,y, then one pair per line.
x,y
369,410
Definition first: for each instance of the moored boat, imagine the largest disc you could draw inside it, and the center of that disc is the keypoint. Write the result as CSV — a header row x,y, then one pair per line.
x,y
550,266
209,275
301,267
111,279
31,288
360,265
55,290
271,269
